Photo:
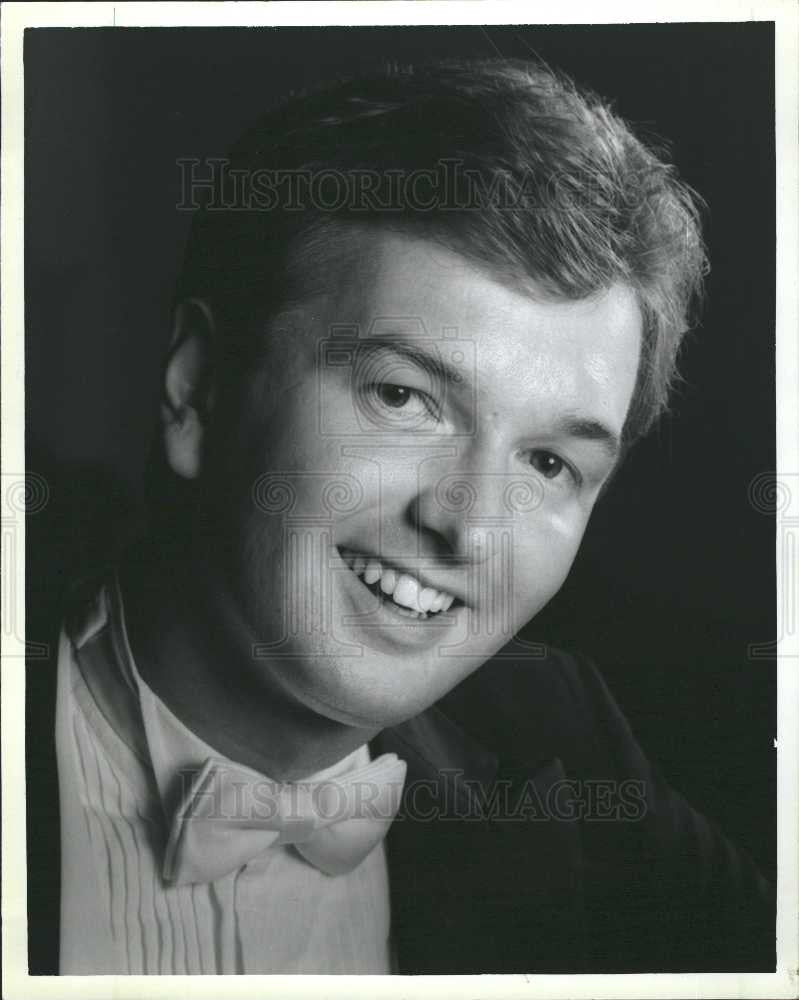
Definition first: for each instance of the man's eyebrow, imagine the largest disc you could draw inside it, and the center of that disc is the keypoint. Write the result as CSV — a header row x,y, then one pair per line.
x,y
430,359
572,425
591,430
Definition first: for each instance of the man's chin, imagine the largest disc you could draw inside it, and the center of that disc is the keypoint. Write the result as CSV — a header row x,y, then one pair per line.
x,y
365,712
366,702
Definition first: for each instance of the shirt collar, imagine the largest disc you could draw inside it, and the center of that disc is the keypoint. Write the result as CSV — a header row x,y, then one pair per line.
x,y
176,752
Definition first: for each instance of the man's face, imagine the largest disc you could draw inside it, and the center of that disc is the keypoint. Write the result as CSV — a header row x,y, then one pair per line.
x,y
416,462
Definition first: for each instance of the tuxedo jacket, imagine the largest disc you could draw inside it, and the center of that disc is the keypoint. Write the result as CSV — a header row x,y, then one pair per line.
x,y
534,837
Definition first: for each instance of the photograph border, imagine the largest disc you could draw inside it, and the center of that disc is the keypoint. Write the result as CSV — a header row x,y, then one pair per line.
x,y
16,17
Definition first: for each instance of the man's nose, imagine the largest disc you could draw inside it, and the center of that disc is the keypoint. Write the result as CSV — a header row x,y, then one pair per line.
x,y
461,512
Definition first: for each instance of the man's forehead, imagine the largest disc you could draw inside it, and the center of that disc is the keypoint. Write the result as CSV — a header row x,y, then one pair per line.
x,y
388,285
390,281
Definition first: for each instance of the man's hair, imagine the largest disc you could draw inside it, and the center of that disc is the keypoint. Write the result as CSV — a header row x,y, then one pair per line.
x,y
506,162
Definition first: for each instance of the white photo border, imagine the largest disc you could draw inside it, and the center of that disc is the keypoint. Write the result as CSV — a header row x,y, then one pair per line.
x,y
16,17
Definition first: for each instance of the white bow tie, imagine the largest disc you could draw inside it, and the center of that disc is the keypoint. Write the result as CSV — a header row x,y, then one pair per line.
x,y
232,813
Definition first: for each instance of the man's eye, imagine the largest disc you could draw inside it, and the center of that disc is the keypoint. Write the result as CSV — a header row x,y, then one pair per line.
x,y
547,463
395,396
392,404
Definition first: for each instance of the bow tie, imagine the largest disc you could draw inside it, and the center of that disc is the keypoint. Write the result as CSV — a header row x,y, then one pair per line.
x,y
232,813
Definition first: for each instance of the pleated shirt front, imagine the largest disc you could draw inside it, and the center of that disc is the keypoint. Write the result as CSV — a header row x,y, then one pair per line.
x,y
119,750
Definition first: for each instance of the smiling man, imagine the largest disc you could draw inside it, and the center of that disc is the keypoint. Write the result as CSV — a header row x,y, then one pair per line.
x,y
421,317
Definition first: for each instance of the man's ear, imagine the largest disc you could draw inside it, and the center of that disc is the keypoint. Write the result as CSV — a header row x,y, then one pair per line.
x,y
188,387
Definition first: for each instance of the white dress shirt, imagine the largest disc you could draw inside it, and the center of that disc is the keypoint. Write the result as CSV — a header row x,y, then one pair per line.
x,y
119,750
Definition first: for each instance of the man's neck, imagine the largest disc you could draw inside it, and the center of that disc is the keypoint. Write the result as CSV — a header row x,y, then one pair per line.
x,y
193,650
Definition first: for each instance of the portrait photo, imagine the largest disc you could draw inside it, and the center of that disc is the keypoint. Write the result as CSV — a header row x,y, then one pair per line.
x,y
400,497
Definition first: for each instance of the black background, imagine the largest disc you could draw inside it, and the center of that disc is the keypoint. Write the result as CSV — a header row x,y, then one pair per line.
x,y
675,579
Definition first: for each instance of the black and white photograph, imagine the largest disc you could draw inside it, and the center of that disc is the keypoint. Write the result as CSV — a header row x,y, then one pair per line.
x,y
397,525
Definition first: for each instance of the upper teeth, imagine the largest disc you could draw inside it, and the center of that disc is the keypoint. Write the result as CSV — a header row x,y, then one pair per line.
x,y
403,588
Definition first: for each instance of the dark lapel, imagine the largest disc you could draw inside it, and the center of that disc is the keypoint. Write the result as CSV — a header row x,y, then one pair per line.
x,y
484,875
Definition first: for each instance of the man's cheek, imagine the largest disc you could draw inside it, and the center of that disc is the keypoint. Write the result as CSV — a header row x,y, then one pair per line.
x,y
540,570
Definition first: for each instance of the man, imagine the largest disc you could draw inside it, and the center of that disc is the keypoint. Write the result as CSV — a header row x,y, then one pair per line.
x,y
422,317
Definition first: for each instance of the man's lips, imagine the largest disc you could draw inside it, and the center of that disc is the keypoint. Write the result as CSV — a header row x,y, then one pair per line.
x,y
406,591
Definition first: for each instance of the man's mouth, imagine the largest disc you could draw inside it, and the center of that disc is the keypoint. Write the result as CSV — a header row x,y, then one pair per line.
x,y
407,594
